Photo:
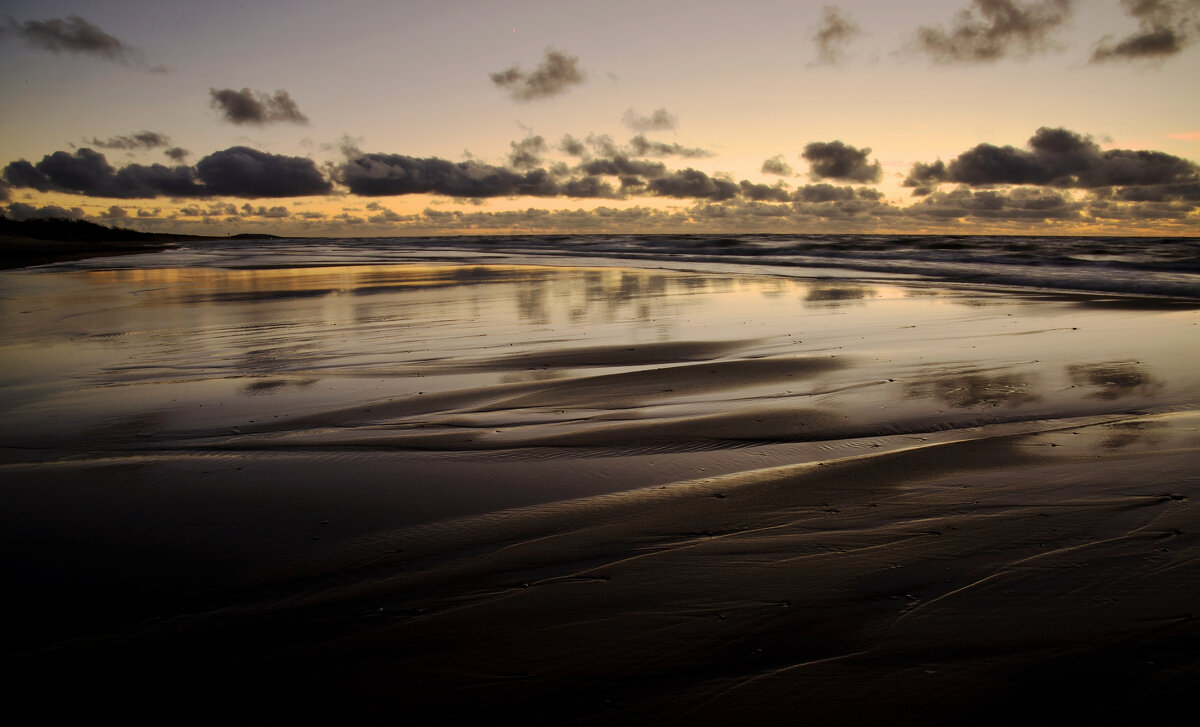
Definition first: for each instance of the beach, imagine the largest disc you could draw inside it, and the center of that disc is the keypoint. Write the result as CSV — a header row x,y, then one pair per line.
x,y
597,489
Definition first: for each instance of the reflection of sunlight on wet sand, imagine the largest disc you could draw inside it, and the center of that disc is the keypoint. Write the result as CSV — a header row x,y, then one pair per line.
x,y
209,351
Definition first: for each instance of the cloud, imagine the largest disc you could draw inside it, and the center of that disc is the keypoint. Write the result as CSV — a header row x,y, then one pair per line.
x,y
1165,27
923,176
603,145
995,29
139,140
114,213
271,213
255,107
1056,157
236,172
22,211
764,192
527,153
554,75
243,172
61,171
75,35
374,175
571,145
641,146
777,165
621,165
1167,201
830,193
834,32
835,160
1017,204
592,187
695,184
1184,193
176,153
659,120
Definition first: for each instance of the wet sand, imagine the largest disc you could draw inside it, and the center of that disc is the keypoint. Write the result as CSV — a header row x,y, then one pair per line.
x,y
597,495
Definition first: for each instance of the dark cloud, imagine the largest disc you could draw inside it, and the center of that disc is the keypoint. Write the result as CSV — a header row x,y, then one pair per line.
x,y
256,107
139,140
995,29
114,213
1017,204
238,172
4,193
641,146
603,145
589,188
1164,201
374,175
631,182
858,204
1186,193
659,120
88,172
571,145
764,192
243,172
777,165
693,183
624,166
22,211
1165,27
215,210
527,153
830,193
177,153
139,180
922,176
554,75
75,35
383,214
834,32
1115,210
271,213
835,160
1056,157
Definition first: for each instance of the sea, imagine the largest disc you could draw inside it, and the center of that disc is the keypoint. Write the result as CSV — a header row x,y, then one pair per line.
x,y
1147,266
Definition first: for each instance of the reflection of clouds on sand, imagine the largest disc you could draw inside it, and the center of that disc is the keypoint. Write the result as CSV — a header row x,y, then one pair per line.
x,y
532,305
828,296
1128,435
967,389
274,386
1115,379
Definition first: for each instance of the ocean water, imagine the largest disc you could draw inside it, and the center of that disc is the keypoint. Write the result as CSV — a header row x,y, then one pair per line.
x,y
1157,266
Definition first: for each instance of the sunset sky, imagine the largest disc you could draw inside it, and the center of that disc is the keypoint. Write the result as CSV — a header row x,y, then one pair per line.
x,y
372,118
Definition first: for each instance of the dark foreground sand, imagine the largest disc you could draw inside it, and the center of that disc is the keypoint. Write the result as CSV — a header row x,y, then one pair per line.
x,y
439,494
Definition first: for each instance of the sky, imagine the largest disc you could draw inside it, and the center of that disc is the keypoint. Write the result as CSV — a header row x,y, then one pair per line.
x,y
375,118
